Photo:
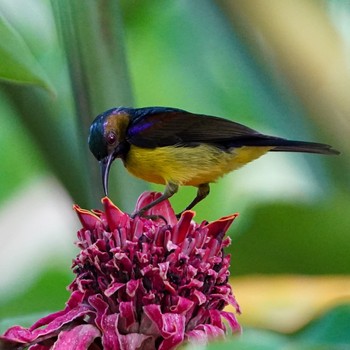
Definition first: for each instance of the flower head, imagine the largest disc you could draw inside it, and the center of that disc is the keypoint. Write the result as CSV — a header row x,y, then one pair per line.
x,y
140,284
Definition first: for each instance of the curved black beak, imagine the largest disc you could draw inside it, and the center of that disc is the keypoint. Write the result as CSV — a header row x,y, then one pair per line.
x,y
105,164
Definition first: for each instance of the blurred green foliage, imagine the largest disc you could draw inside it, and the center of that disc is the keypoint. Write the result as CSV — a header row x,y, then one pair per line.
x,y
329,332
38,297
81,58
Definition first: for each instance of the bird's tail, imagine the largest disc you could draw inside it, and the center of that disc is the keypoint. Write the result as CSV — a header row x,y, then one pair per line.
x,y
279,144
302,146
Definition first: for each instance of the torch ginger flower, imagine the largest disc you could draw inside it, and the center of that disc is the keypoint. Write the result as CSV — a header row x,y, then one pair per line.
x,y
140,284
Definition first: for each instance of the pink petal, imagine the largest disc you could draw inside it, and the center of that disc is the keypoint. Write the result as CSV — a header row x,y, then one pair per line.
x,y
140,284
215,319
163,269
201,298
110,339
162,209
212,249
182,306
27,336
17,334
232,300
134,341
131,287
182,228
77,338
170,326
221,225
127,319
115,217
230,317
176,339
38,347
204,332
171,246
100,306
137,228
113,288
87,219
147,326
60,321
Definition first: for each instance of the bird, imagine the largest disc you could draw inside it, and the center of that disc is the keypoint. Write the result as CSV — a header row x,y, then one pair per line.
x,y
173,147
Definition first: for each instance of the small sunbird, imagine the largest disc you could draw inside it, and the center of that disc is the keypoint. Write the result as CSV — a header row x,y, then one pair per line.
x,y
174,147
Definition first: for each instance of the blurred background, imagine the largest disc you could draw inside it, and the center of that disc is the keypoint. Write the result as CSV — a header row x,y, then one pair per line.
x,y
281,67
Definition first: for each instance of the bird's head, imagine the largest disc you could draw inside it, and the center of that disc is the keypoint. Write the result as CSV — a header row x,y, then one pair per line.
x,y
107,138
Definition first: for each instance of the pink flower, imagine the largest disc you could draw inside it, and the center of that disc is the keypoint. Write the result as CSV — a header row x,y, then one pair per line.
x,y
140,284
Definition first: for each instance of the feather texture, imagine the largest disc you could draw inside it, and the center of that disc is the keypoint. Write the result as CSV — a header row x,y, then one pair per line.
x,y
159,127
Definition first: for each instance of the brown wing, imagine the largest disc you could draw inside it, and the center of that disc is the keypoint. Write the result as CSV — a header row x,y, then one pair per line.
x,y
159,126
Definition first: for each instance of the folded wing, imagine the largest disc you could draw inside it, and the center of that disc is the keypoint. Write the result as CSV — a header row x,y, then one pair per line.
x,y
157,127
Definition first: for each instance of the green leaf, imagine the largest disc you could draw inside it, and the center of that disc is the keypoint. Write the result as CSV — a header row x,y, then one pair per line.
x,y
294,238
331,328
17,63
251,340
21,160
24,321
47,294
94,50
330,332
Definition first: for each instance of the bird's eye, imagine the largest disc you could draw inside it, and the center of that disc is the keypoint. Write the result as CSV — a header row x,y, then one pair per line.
x,y
111,138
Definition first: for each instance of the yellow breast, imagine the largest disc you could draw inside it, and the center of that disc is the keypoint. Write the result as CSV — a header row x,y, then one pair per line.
x,y
188,165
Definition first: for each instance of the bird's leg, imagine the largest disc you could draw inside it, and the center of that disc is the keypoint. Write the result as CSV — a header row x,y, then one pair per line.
x,y
202,192
170,189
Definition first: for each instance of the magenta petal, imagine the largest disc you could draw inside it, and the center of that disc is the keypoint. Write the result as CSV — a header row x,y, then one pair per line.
x,y
147,326
177,324
24,336
170,326
162,209
60,321
131,287
204,332
110,339
182,306
100,306
77,338
140,284
215,319
201,298
182,228
220,226
16,334
115,217
113,288
230,317
37,347
87,219
127,321
154,313
135,341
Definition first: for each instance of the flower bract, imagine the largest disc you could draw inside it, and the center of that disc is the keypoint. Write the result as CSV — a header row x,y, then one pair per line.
x,y
142,283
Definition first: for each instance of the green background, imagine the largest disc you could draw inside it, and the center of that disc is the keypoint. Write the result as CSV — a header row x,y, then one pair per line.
x,y
281,67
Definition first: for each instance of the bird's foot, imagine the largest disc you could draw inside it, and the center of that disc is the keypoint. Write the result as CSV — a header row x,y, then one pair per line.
x,y
142,214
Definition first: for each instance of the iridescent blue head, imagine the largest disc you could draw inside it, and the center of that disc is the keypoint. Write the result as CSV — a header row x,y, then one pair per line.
x,y
107,139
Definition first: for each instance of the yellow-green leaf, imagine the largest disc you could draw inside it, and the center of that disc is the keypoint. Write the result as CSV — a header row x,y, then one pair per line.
x,y
17,63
